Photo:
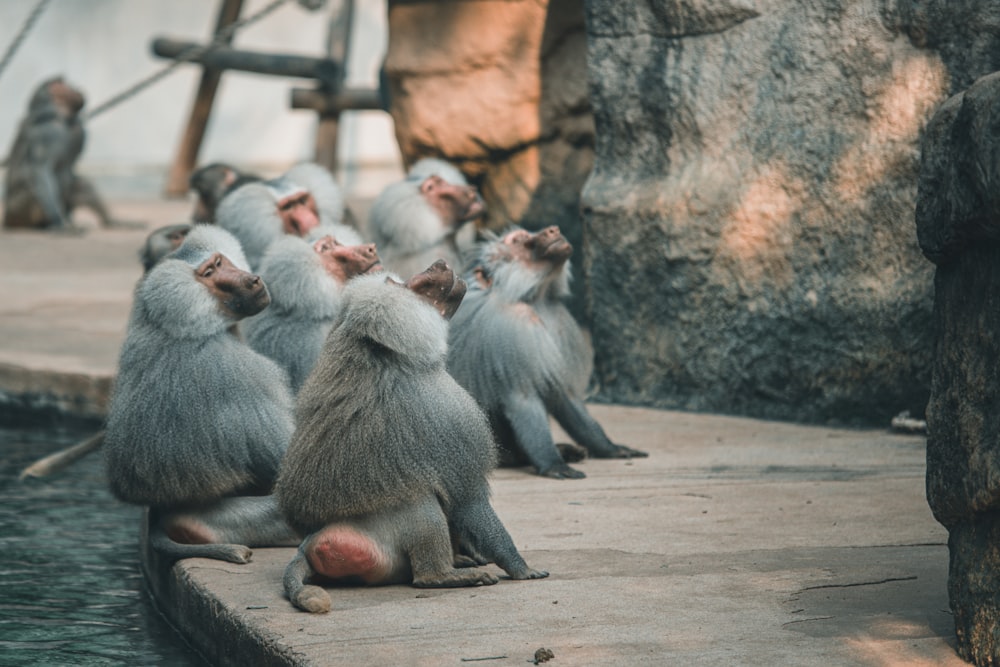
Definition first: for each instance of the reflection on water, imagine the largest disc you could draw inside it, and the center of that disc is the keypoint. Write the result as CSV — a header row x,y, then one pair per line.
x,y
70,588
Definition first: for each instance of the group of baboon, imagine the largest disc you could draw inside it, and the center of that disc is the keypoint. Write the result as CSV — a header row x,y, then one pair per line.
x,y
283,382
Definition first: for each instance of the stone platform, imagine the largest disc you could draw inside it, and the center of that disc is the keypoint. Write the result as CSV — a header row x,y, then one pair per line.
x,y
738,542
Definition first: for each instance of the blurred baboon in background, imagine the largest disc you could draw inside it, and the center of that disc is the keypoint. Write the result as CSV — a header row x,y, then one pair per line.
x,y
211,183
305,281
327,196
387,470
198,421
516,348
161,242
41,188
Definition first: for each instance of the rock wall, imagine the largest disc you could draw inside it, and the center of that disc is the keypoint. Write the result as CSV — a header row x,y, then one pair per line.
x,y
746,242
750,244
958,225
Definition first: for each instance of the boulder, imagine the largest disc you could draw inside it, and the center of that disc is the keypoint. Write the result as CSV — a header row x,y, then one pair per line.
x,y
748,221
958,224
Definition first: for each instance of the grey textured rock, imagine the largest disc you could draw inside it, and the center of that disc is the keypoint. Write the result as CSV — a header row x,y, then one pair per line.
x,y
748,222
672,18
958,223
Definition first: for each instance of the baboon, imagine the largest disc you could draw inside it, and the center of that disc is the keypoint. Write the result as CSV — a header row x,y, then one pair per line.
x,y
516,348
414,221
260,213
198,421
161,242
213,182
305,281
387,470
158,244
41,188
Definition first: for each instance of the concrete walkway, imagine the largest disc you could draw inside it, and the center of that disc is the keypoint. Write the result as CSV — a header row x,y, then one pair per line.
x,y
738,542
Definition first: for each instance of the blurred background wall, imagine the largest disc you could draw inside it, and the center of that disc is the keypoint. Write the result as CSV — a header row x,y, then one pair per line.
x,y
103,46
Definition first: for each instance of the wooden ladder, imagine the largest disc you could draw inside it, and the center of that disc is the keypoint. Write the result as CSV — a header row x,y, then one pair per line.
x,y
328,98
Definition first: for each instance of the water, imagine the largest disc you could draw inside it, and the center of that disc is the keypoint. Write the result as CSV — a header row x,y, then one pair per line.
x,y
71,592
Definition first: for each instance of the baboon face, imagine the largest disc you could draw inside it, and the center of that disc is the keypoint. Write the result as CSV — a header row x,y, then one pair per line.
x,y
439,287
546,247
240,294
344,262
454,203
299,214
68,99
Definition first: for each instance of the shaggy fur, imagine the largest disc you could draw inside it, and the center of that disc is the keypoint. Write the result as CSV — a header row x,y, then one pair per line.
x,y
304,301
429,166
380,422
389,453
325,190
195,415
251,215
409,233
516,348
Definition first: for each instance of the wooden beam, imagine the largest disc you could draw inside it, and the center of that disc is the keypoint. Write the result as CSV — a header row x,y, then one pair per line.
x,y
348,99
324,70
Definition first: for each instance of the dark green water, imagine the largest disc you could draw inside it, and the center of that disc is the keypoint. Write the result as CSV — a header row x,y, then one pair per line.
x,y
71,592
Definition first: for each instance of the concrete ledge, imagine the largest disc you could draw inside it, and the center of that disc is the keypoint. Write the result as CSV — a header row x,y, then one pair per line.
x,y
221,633
27,391
737,542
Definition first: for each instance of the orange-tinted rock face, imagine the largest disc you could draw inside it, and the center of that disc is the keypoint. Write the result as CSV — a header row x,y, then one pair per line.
x,y
491,86
500,89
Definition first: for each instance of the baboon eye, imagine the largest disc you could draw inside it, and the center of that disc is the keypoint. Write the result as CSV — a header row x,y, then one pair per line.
x,y
430,184
210,266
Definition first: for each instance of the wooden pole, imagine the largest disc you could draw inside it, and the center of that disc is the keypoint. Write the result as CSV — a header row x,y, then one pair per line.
x,y
338,48
187,151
